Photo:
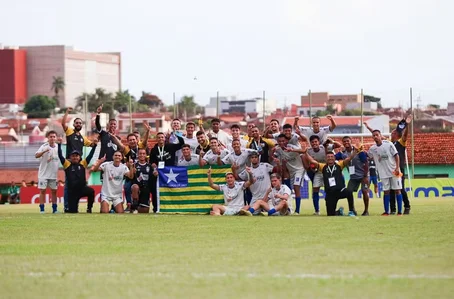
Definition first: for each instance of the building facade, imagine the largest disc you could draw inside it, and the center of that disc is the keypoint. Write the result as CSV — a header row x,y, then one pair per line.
x,y
228,105
346,101
13,76
81,71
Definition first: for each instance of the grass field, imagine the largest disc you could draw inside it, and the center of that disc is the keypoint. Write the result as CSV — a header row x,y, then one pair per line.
x,y
115,256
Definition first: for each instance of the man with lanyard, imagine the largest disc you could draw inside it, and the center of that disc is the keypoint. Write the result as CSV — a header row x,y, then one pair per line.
x,y
74,142
76,181
261,173
322,132
141,187
334,182
261,145
289,155
187,158
399,139
162,154
358,168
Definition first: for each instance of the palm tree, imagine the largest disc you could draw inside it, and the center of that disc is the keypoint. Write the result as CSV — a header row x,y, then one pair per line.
x,y
58,84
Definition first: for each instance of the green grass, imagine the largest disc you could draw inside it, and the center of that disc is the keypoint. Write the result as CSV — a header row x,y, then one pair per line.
x,y
117,256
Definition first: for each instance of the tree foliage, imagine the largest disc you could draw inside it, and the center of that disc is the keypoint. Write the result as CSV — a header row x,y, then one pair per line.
x,y
111,102
58,84
151,100
39,106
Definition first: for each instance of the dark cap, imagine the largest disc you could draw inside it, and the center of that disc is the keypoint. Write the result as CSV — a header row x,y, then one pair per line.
x,y
74,152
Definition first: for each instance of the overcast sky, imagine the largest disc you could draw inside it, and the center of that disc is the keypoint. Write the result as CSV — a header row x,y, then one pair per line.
x,y
240,48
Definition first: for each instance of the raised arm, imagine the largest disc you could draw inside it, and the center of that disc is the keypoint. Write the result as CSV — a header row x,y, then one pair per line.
x,y
295,122
132,170
60,154
97,120
210,181
147,133
65,118
98,163
91,153
405,132
368,127
120,145
40,154
333,125
250,180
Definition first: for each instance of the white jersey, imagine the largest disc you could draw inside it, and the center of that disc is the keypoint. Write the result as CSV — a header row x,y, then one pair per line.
x,y
262,182
282,190
212,158
292,159
112,184
48,164
222,136
293,140
383,156
319,156
322,134
233,197
243,143
241,160
192,143
193,161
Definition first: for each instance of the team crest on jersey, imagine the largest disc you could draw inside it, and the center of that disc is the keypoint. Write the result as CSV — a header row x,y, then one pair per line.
x,y
148,169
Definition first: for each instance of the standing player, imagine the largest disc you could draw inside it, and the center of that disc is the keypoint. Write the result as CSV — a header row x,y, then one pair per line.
x,y
214,156
238,158
290,155
358,169
190,138
280,197
48,169
113,174
141,187
188,158
233,194
399,139
217,132
204,143
74,142
108,146
373,176
261,145
387,161
76,181
321,132
235,130
273,130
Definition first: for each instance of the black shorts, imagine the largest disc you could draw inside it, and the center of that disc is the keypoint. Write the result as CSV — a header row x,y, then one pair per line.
x,y
144,196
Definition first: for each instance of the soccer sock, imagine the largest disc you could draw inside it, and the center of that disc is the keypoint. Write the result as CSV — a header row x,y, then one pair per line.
x,y
399,203
298,204
287,182
41,207
251,210
271,212
315,201
54,207
386,203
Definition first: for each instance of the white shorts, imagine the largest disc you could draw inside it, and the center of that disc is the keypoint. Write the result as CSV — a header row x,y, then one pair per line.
x,y
43,184
113,200
231,211
296,178
318,180
392,183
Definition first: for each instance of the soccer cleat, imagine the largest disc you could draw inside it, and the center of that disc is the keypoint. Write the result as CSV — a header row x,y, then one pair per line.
x,y
263,214
351,214
399,214
316,214
407,211
41,212
135,212
89,211
340,212
365,213
385,214
392,213
242,213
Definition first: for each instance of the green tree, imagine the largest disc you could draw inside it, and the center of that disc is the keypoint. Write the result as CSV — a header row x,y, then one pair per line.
x,y
39,106
94,100
58,84
151,100
433,106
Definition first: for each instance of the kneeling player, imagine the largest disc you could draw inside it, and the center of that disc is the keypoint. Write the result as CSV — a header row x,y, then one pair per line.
x,y
280,196
140,187
233,193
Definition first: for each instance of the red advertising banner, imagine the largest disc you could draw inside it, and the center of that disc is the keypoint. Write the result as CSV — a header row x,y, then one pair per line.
x,y
30,195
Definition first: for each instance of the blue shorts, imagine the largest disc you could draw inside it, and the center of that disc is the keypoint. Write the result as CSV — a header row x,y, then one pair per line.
x,y
373,180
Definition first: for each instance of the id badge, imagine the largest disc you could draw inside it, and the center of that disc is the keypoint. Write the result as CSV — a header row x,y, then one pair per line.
x,y
351,169
161,164
332,182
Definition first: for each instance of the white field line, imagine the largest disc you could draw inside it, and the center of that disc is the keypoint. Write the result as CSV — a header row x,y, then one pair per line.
x,y
207,275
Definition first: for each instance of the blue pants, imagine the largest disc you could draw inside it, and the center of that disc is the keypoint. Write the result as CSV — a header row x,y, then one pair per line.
x,y
128,191
65,196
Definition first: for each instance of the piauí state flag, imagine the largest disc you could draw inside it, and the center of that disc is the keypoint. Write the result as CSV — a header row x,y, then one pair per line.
x,y
186,189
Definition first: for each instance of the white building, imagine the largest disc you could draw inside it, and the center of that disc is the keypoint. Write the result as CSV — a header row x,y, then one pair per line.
x,y
229,105
81,71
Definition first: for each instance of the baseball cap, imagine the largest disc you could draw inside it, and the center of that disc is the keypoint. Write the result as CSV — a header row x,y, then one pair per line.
x,y
74,152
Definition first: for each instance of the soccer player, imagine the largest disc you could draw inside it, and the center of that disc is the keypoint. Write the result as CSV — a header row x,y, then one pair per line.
x,y
190,138
387,161
280,197
238,158
214,156
113,174
399,139
358,169
233,193
141,187
261,173
321,132
188,158
76,181
235,130
293,137
74,142
290,155
373,175
261,145
274,128
108,146
217,132
334,182
204,143
48,169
